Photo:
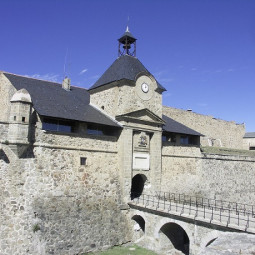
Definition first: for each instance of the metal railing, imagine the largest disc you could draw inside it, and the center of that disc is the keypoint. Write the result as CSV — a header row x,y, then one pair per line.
x,y
239,215
207,202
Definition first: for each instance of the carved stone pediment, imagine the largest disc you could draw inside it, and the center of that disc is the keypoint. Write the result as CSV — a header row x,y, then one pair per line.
x,y
141,116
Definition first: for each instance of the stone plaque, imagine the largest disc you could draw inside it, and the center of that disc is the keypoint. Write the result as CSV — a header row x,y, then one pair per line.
x,y
141,161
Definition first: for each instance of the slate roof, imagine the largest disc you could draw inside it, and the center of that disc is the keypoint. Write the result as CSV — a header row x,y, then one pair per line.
x,y
124,67
176,127
129,35
249,135
51,100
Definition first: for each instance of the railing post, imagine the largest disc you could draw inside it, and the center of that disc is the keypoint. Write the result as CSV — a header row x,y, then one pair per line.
x,y
164,201
182,211
228,217
169,206
158,202
247,225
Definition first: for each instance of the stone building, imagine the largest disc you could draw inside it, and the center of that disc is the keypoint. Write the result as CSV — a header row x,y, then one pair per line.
x,y
249,141
71,158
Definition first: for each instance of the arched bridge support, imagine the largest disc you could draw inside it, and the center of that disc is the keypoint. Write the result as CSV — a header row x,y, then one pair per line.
x,y
163,233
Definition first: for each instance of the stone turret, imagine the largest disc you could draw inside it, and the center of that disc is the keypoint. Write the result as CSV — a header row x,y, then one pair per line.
x,y
19,121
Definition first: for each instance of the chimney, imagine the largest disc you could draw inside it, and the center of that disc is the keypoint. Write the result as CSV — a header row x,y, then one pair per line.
x,y
66,84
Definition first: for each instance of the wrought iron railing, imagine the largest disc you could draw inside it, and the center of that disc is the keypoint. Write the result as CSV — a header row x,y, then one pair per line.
x,y
237,214
207,202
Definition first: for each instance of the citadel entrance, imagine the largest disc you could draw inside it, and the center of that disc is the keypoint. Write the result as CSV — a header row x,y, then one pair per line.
x,y
137,187
176,235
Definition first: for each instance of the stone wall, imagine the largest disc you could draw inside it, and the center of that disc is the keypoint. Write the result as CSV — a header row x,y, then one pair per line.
x,y
107,100
124,99
217,132
186,170
3,131
133,102
50,204
6,93
248,142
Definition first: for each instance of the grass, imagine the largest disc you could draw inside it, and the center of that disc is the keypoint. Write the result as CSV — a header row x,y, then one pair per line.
x,y
124,250
227,151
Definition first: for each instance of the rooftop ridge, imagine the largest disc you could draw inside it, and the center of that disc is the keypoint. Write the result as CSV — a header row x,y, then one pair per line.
x,y
28,77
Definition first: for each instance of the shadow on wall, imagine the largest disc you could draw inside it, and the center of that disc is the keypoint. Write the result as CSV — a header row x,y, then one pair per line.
x,y
4,157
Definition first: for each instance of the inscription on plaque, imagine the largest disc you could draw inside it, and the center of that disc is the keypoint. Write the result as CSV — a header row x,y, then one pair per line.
x,y
141,161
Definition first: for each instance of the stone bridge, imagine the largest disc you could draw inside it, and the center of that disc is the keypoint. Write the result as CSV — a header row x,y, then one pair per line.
x,y
169,222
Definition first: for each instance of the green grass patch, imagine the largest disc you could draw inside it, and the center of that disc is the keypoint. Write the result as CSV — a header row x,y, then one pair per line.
x,y
227,151
124,250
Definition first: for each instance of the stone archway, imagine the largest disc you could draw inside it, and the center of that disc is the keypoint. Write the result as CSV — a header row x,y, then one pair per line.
x,y
138,227
173,236
137,186
140,222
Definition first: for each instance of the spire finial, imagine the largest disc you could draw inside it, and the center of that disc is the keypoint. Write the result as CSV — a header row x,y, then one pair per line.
x,y
127,30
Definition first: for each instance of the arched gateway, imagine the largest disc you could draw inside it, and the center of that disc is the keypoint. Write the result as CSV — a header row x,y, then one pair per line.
x,y
137,187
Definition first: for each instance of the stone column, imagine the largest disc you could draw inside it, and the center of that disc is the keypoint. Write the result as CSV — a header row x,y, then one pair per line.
x,y
156,160
125,161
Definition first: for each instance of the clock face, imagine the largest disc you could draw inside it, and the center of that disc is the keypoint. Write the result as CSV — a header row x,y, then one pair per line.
x,y
145,87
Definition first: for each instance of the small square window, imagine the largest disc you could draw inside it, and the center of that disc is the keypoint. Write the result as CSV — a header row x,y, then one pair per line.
x,y
83,161
23,119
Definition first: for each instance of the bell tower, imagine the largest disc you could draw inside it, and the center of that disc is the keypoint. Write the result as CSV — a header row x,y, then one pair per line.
x,y
127,44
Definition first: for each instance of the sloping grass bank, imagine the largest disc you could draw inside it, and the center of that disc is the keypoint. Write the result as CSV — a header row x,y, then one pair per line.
x,y
124,250
227,151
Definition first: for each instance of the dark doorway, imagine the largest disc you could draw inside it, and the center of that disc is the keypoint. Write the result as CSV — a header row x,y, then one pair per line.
x,y
178,237
137,185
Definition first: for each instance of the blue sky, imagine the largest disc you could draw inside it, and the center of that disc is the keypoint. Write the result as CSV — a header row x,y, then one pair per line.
x,y
201,51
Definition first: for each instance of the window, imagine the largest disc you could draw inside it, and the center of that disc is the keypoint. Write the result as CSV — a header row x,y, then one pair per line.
x,y
83,161
23,119
169,138
94,129
14,118
252,148
184,139
172,138
164,138
57,125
